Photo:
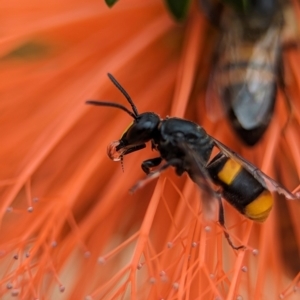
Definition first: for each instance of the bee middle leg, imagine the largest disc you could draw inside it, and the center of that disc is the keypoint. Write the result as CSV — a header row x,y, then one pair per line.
x,y
222,223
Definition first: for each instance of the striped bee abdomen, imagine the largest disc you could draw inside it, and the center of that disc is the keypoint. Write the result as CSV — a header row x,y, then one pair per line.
x,y
240,188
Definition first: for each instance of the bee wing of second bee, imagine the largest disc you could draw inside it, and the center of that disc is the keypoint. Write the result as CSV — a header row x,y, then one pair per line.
x,y
244,77
266,181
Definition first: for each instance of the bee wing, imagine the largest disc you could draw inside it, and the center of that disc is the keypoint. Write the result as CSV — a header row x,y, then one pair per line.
x,y
266,181
253,93
201,177
243,78
223,74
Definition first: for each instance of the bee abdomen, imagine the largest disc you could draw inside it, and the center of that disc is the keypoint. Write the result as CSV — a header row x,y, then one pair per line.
x,y
259,209
240,188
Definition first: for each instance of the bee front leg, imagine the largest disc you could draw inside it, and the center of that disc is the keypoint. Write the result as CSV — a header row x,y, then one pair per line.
x,y
150,163
152,175
222,223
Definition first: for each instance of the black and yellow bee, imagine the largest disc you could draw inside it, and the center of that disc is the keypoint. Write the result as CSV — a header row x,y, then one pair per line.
x,y
247,64
186,146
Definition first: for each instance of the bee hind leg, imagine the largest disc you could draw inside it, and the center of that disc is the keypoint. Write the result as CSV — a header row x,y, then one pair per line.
x,y
222,223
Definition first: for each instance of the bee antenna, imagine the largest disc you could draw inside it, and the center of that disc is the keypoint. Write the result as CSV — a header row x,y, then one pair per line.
x,y
111,104
126,95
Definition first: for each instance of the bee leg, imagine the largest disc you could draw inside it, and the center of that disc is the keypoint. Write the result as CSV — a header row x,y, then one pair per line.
x,y
222,223
211,12
150,163
173,162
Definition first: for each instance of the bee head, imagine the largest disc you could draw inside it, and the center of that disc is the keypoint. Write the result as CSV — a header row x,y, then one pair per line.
x,y
141,130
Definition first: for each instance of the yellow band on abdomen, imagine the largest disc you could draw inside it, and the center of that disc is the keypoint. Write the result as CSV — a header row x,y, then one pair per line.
x,y
259,209
229,171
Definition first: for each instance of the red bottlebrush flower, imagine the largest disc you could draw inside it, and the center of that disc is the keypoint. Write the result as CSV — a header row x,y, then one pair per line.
x,y
69,227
